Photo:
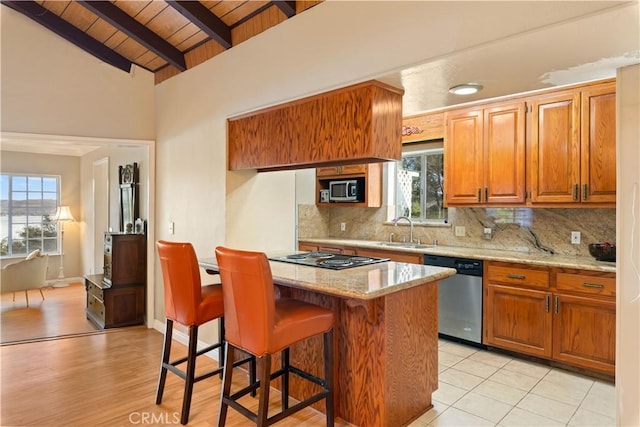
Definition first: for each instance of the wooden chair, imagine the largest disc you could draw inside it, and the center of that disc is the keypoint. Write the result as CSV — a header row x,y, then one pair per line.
x,y
260,325
189,303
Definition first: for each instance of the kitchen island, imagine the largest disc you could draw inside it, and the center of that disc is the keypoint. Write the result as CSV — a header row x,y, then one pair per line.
x,y
386,336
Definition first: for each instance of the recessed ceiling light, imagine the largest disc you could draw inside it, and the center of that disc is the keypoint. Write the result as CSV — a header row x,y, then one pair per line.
x,y
466,89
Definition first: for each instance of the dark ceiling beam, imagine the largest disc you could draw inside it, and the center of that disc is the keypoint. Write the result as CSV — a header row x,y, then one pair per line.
x,y
128,25
68,32
197,13
287,7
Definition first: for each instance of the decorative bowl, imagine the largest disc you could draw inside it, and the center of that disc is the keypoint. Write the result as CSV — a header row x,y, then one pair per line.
x,y
603,251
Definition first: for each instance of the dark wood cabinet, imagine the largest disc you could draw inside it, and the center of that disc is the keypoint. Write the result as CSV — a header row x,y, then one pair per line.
x,y
117,297
125,261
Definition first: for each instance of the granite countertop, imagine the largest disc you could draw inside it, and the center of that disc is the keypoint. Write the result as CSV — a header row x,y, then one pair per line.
x,y
364,282
540,259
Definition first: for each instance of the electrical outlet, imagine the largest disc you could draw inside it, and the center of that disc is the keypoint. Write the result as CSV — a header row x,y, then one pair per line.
x,y
459,231
343,226
172,227
486,233
575,237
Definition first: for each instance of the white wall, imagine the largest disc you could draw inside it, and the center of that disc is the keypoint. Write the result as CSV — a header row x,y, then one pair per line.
x,y
50,86
628,240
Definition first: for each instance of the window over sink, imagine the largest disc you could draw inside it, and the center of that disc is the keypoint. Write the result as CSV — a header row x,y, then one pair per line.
x,y
419,183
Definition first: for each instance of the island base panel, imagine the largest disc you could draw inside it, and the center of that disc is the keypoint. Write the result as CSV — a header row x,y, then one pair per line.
x,y
386,355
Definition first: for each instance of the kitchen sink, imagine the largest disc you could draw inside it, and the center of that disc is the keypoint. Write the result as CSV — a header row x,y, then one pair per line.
x,y
406,245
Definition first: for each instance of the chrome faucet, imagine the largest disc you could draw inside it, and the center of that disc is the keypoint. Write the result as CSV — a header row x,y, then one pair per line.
x,y
395,222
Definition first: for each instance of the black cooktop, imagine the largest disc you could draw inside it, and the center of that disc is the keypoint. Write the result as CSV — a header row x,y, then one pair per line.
x,y
328,260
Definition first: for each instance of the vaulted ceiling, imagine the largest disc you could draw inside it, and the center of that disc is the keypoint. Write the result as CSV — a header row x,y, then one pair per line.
x,y
164,37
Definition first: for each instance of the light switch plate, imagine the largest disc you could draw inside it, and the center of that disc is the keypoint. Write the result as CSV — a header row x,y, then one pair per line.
x,y
459,231
575,237
343,226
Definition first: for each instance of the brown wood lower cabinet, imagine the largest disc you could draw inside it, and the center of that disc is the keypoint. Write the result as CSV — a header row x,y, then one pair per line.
x,y
584,332
518,319
570,318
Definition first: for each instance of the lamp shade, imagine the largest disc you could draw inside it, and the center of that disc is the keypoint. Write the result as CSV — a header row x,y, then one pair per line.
x,y
63,214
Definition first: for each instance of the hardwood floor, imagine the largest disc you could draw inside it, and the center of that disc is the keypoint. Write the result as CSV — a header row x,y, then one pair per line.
x,y
109,379
60,313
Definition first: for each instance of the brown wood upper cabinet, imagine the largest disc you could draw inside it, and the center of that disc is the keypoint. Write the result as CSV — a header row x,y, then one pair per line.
x,y
357,124
573,146
485,155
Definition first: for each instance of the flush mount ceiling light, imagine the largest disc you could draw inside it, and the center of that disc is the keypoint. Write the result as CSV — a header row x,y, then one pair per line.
x,y
465,89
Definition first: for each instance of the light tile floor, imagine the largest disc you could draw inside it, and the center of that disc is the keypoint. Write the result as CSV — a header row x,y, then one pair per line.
x,y
485,388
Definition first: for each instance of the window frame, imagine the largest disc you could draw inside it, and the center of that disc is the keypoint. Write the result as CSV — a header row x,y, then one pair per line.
x,y
419,149
43,241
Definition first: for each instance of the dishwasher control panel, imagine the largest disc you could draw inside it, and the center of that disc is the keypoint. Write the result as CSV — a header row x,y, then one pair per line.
x,y
469,267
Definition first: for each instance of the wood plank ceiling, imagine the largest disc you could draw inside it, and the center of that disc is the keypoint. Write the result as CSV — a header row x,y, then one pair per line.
x,y
164,37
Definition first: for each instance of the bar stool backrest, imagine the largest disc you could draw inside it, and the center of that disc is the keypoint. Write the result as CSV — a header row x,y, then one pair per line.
x,y
182,284
249,301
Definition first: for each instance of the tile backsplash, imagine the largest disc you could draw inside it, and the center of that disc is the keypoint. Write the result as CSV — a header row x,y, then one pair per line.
x,y
521,229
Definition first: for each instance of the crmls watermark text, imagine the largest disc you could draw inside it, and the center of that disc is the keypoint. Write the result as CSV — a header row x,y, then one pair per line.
x,y
153,418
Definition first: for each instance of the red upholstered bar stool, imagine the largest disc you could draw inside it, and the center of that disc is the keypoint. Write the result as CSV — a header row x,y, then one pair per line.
x,y
261,325
189,303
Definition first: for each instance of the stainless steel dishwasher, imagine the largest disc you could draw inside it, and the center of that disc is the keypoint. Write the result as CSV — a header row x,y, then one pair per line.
x,y
459,299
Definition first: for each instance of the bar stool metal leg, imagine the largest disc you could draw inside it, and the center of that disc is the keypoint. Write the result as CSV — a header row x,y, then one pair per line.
x,y
166,353
190,373
226,384
328,376
265,384
285,378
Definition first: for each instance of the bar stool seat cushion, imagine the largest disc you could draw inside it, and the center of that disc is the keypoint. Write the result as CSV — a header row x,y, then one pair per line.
x,y
296,320
211,307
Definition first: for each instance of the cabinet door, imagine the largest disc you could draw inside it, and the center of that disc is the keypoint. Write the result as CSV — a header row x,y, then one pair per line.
x,y
504,154
584,332
128,260
463,172
598,143
518,319
555,148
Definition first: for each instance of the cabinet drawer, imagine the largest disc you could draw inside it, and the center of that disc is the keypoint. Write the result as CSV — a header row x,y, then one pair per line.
x,y
96,292
336,250
95,307
594,285
342,170
518,276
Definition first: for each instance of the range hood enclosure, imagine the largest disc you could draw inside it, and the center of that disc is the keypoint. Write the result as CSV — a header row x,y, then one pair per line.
x,y
356,124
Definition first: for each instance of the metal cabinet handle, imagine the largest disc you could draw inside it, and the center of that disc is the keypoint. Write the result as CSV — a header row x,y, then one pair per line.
x,y
593,285
516,276
547,303
575,191
486,194
479,194
557,304
585,193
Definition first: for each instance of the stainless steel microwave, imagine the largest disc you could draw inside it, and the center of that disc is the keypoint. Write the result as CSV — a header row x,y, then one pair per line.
x,y
344,191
